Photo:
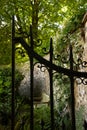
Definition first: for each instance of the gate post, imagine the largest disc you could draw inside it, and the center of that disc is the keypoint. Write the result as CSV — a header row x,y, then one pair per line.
x,y
72,91
51,87
31,83
13,77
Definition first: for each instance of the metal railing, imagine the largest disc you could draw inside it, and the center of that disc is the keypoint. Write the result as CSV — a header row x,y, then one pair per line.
x,y
50,67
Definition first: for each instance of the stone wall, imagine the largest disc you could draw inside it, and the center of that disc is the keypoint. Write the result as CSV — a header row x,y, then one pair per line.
x,y
81,90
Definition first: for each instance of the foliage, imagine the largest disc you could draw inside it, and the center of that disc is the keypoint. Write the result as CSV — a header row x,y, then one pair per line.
x,y
20,55
5,93
5,44
41,117
42,114
48,18
71,32
62,119
79,118
22,117
59,19
62,101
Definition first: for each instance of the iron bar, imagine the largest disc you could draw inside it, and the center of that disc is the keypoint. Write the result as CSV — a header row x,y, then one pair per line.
x,y
51,87
42,124
63,126
85,125
31,83
13,76
72,91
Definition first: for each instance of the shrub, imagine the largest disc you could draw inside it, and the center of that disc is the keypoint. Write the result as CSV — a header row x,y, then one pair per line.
x,y
5,92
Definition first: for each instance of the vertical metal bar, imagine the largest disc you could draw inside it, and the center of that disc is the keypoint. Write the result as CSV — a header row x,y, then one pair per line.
x,y
42,124
72,91
63,126
85,125
31,83
13,76
51,87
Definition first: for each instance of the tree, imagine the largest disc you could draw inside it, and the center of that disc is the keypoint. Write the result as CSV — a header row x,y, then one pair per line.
x,y
47,18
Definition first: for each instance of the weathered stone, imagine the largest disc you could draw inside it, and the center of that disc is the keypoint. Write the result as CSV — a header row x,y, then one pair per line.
x,y
81,90
41,84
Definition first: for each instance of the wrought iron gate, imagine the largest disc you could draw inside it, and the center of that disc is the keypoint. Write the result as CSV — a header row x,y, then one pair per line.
x,y
51,67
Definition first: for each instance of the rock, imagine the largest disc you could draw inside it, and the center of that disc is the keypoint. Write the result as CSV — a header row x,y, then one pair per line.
x,y
41,84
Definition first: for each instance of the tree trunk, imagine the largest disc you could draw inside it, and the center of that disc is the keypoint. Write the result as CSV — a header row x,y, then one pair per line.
x,y
35,11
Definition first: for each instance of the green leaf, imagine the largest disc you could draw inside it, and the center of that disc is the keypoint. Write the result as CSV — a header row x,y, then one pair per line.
x,y
1,81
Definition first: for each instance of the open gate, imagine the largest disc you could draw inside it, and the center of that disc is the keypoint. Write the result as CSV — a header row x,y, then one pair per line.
x,y
51,67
